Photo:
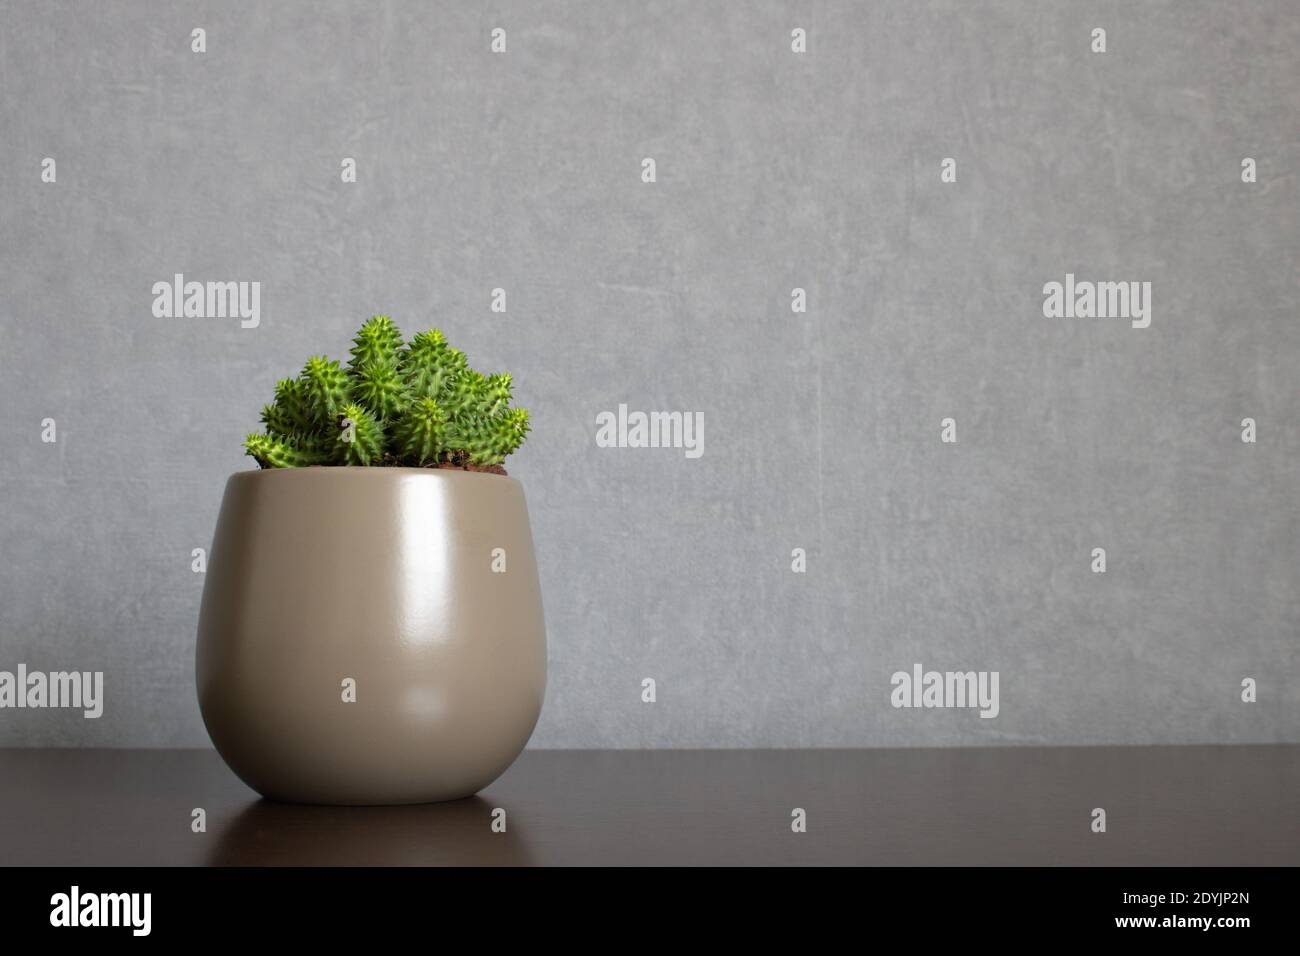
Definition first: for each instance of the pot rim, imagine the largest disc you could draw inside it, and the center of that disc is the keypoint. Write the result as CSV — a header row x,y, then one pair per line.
x,y
371,471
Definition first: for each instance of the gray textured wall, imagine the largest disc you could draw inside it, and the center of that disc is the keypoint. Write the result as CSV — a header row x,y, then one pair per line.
x,y
775,170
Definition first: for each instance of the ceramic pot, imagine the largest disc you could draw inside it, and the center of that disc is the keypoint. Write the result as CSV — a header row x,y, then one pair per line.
x,y
362,640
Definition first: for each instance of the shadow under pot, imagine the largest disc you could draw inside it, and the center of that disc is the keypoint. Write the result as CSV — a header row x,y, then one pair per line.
x,y
371,635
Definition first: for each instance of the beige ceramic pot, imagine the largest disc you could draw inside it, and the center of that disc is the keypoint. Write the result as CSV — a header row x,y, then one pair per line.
x,y
371,635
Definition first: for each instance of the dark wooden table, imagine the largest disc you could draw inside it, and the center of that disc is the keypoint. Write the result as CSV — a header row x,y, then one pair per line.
x,y
1002,806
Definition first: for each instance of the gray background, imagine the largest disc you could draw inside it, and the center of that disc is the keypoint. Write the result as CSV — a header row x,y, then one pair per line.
x,y
821,430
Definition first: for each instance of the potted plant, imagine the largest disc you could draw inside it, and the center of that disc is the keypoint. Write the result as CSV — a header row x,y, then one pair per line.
x,y
371,628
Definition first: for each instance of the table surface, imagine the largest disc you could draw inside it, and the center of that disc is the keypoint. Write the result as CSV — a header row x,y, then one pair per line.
x,y
1208,806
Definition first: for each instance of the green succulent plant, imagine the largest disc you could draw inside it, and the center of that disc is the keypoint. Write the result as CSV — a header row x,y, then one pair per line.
x,y
397,403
